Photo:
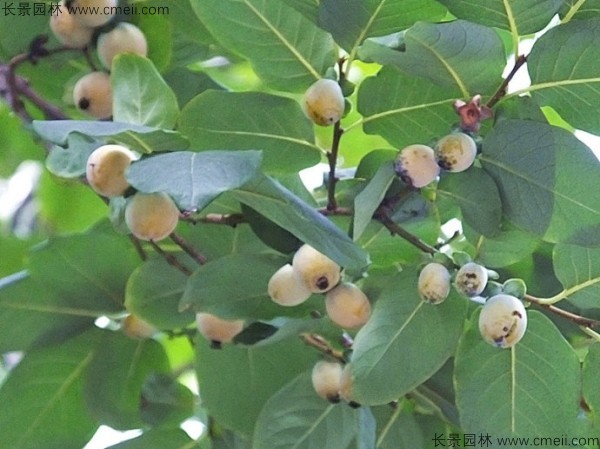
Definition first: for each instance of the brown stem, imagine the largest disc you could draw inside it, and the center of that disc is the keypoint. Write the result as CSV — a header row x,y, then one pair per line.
x,y
396,229
171,260
332,157
577,319
501,92
318,342
189,249
222,219
138,247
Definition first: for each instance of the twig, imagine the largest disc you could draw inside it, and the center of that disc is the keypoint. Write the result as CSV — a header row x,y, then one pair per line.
x,y
171,260
394,228
501,92
332,157
577,319
138,247
318,342
189,249
221,219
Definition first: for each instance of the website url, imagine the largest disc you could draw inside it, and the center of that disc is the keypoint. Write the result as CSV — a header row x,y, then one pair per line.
x,y
118,10
485,440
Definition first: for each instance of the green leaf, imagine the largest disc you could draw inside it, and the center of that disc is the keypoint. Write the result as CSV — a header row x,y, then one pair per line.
x,y
591,390
115,376
194,179
16,138
576,10
532,389
521,16
351,22
578,270
405,109
65,266
506,248
458,55
71,162
367,201
159,439
397,429
400,318
477,195
568,81
295,417
43,315
166,402
252,121
140,95
237,381
534,165
235,286
42,401
153,293
287,50
282,207
139,138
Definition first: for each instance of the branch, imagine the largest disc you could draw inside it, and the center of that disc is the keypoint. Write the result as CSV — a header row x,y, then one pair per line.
x,y
189,249
221,219
501,92
171,260
318,342
396,229
332,157
577,319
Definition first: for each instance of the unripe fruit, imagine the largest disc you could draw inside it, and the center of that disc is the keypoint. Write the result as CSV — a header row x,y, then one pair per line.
x,y
151,216
106,168
92,94
326,380
318,272
471,279
456,152
323,102
217,330
135,327
67,30
124,38
104,10
346,386
502,321
416,165
347,306
287,288
434,283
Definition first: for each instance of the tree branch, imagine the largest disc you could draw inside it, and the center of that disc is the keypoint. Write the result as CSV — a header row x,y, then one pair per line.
x,y
189,249
501,92
318,342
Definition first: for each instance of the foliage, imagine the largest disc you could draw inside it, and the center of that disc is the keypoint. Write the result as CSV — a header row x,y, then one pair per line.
x,y
214,113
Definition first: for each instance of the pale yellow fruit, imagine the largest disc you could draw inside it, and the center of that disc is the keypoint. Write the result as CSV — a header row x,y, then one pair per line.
x,y
151,216
323,102
105,170
67,30
135,327
93,13
317,271
216,329
326,379
434,283
346,385
503,321
287,288
92,94
456,152
471,279
416,165
347,306
124,38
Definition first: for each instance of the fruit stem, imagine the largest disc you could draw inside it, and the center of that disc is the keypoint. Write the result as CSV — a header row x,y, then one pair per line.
x,y
138,247
171,259
396,229
189,249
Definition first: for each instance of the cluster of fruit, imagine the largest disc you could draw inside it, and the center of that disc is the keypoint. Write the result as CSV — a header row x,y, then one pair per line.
x,y
419,165
503,318
92,93
149,216
313,272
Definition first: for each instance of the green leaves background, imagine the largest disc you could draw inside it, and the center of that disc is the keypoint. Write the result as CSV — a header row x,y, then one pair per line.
x,y
228,143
